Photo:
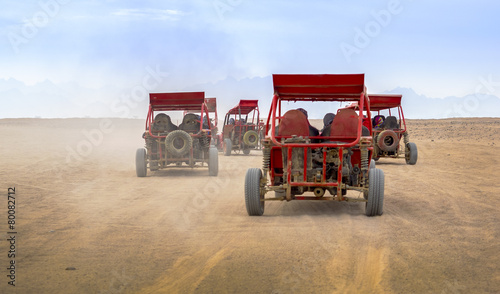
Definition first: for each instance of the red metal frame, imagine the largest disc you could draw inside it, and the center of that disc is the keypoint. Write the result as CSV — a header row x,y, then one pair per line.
x,y
181,101
315,88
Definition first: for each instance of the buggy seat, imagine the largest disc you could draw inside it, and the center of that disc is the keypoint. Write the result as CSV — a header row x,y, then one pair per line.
x,y
391,123
294,122
344,126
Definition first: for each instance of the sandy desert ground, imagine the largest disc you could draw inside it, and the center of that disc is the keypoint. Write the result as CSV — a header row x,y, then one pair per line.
x,y
87,224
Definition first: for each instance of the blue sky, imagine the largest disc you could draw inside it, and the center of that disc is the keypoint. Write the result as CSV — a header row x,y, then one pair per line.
x,y
437,48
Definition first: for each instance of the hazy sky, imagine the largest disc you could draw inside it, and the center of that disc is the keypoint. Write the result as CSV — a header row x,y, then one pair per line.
x,y
438,48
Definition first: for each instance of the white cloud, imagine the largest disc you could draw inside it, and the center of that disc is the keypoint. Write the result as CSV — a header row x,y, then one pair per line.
x,y
148,13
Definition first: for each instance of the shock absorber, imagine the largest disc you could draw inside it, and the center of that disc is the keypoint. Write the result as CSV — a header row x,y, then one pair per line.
x,y
266,156
406,138
364,159
364,164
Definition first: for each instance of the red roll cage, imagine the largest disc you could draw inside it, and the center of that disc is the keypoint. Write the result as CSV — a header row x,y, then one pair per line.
x,y
323,87
179,101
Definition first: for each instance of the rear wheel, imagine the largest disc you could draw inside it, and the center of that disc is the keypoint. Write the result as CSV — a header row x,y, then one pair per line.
x,y
246,151
213,162
141,162
253,195
411,153
228,146
375,203
178,143
387,141
251,138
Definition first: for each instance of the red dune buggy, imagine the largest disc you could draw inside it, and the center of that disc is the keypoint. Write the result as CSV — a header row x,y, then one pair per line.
x,y
296,160
240,133
388,131
185,145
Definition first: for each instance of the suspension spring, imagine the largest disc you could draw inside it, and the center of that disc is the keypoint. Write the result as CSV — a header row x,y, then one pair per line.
x,y
266,157
364,165
406,138
364,159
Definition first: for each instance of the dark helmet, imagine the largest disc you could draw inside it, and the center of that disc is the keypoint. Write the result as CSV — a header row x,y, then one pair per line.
x,y
303,111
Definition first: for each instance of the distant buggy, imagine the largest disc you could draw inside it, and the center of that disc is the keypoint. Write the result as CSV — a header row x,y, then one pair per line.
x,y
390,136
171,146
241,127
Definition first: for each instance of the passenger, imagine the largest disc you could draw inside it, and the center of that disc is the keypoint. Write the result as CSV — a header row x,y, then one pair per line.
x,y
312,130
231,121
327,121
378,120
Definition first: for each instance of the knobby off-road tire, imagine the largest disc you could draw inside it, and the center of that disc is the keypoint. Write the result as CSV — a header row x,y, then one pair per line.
x,y
228,146
388,141
375,204
252,192
141,162
411,153
213,162
178,143
251,138
246,151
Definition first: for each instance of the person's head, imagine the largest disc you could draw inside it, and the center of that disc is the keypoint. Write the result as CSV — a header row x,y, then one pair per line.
x,y
303,111
377,121
327,120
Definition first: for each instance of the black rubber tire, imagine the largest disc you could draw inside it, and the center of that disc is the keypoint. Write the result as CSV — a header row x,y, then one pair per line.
x,y
173,138
213,162
251,138
228,146
388,141
255,207
372,164
411,153
141,162
375,204
246,151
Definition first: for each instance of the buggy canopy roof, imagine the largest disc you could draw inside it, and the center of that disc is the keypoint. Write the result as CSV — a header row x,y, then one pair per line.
x,y
177,101
381,101
384,101
319,87
245,106
211,104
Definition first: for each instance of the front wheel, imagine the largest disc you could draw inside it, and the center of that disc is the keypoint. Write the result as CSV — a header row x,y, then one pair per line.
x,y
253,195
411,153
141,162
213,162
375,203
